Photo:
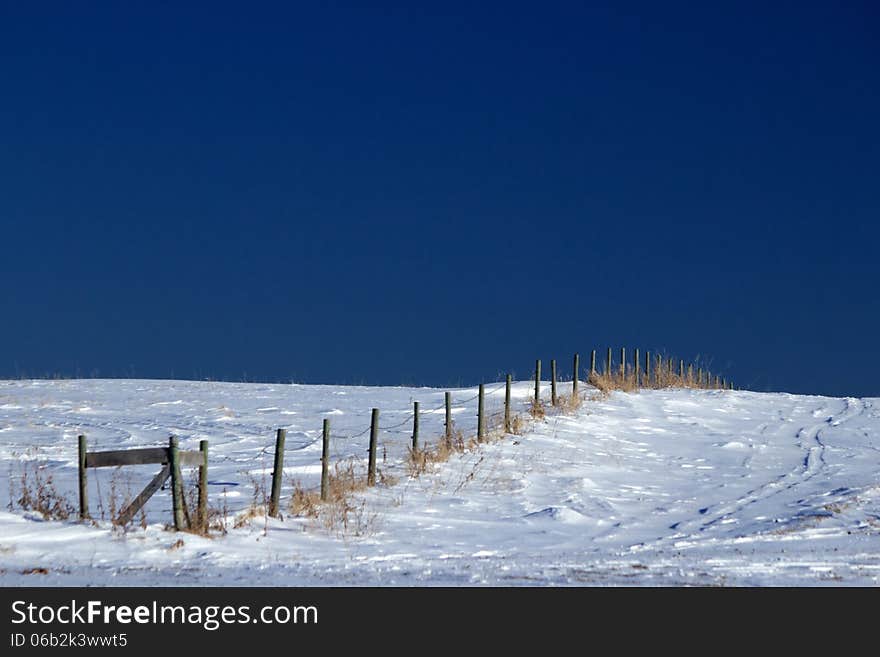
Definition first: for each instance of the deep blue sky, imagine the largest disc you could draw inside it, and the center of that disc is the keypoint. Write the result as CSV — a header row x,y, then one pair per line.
x,y
438,193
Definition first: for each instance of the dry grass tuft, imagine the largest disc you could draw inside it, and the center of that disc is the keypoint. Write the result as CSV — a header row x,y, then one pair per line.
x,y
339,513
537,410
569,403
36,491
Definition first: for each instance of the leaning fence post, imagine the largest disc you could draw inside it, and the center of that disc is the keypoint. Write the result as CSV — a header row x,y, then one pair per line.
x,y
83,481
481,417
277,471
448,417
537,381
575,367
176,483
202,512
325,462
507,405
553,382
415,436
374,437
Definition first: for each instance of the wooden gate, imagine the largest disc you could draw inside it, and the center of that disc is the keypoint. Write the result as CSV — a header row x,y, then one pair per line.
x,y
170,458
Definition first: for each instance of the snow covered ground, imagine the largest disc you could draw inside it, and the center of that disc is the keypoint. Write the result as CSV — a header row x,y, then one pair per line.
x,y
670,487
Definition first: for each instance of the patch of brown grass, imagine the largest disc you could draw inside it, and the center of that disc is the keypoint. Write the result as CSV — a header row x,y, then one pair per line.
x,y
537,409
36,491
339,512
569,403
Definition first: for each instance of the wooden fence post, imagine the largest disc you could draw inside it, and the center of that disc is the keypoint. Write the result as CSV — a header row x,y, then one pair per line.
x,y
608,363
699,377
647,368
576,368
658,369
681,370
415,436
325,462
202,512
83,481
374,439
481,416
176,483
553,382
537,381
507,426
593,362
623,364
448,417
636,366
277,471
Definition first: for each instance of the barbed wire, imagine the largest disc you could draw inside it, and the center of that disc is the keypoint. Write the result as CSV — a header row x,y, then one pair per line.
x,y
411,415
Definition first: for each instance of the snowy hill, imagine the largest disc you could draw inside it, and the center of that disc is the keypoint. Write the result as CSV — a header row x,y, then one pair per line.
x,y
662,487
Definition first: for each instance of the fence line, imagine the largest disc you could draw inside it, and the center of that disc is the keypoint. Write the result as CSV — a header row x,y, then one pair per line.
x,y
632,375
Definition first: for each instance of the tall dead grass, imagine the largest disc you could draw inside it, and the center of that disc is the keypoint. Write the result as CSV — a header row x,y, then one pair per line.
x,y
664,373
33,488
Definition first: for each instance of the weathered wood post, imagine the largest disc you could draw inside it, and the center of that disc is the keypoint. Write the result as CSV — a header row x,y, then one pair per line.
x,y
176,483
277,472
202,512
608,363
374,439
481,415
699,377
623,364
507,426
83,481
690,375
647,368
636,366
448,418
593,362
576,368
537,381
658,370
681,370
325,461
553,382
415,436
